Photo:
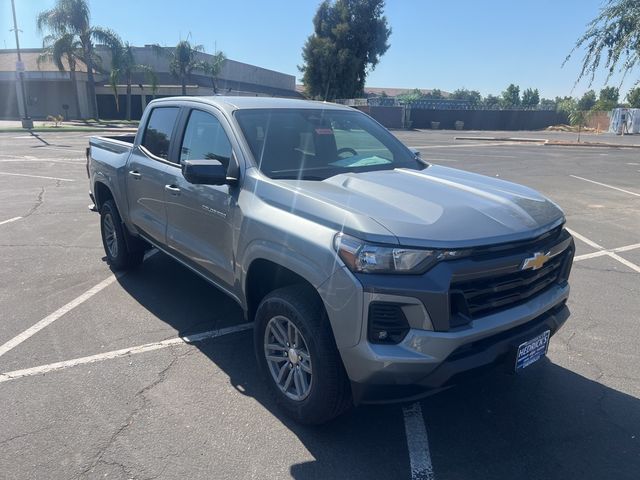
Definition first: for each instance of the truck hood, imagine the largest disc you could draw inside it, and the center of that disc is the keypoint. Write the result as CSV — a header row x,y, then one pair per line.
x,y
436,207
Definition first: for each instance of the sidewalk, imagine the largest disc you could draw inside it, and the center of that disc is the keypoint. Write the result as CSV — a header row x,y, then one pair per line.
x,y
70,126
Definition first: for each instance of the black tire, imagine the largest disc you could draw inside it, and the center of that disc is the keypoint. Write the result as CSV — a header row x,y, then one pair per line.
x,y
329,394
117,241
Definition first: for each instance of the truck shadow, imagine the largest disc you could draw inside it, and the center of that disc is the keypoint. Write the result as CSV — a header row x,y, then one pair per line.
x,y
549,423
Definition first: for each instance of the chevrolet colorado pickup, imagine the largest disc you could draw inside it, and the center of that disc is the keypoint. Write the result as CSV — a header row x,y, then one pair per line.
x,y
370,274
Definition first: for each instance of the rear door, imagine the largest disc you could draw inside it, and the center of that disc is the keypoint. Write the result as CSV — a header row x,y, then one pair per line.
x,y
200,217
147,174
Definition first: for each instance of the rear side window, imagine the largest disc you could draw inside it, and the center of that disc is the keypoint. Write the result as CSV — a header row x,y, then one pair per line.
x,y
205,139
158,132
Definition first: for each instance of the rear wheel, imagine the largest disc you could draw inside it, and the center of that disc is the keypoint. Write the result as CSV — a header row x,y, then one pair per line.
x,y
298,357
118,243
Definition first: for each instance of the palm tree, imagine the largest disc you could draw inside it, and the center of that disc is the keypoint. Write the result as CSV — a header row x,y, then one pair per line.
x,y
213,68
73,18
59,49
183,59
123,65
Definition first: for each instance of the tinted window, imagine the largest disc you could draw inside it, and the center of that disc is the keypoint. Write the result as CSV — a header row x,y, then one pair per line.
x,y
316,144
158,133
205,139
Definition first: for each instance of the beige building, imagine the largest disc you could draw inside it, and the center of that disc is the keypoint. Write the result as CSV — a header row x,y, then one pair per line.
x,y
49,91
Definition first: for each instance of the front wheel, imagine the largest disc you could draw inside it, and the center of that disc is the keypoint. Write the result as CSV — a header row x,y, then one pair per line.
x,y
120,254
298,357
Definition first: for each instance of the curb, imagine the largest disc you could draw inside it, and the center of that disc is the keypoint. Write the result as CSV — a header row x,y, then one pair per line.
x,y
552,143
66,130
503,139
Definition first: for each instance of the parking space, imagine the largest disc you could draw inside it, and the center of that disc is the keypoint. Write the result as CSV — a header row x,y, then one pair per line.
x,y
151,374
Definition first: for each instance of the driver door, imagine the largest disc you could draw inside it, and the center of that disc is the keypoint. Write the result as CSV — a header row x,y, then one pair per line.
x,y
200,217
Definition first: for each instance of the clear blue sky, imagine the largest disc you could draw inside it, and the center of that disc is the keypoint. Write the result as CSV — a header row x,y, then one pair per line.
x,y
482,45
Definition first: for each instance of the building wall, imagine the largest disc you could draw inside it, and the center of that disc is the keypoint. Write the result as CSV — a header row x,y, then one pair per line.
x,y
8,101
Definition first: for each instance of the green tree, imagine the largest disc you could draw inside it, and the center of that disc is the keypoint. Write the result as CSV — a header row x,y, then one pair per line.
x,y
511,96
566,105
612,40
123,66
471,96
588,101
608,99
411,95
213,67
73,18
633,97
530,97
434,94
184,58
548,103
491,101
58,49
348,40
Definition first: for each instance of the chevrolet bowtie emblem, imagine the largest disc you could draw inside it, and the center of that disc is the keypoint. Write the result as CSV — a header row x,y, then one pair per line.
x,y
536,262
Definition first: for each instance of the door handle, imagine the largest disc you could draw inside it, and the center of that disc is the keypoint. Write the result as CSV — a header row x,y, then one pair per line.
x,y
172,189
135,174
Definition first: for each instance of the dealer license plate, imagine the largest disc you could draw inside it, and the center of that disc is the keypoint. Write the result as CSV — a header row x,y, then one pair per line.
x,y
532,350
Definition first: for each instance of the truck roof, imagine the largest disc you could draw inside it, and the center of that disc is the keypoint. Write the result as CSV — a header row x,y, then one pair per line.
x,y
230,103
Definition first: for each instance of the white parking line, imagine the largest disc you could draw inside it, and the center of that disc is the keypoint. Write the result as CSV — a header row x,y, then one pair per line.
x,y
605,185
417,443
125,352
49,319
36,176
10,220
603,251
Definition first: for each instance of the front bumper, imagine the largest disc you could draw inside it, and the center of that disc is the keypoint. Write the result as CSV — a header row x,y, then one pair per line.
x,y
429,360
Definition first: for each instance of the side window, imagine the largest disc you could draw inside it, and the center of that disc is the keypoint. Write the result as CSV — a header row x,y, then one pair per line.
x,y
158,132
205,139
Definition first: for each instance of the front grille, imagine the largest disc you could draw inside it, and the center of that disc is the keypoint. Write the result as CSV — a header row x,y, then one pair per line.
x,y
486,295
387,323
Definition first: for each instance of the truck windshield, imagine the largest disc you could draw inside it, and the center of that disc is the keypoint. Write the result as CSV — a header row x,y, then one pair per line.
x,y
314,144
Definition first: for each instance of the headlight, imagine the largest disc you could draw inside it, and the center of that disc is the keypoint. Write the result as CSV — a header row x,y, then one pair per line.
x,y
362,257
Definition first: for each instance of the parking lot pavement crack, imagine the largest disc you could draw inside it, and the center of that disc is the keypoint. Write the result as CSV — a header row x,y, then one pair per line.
x,y
26,434
38,203
141,403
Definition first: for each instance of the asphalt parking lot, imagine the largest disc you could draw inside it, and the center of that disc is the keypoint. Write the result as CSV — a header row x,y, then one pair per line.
x,y
95,381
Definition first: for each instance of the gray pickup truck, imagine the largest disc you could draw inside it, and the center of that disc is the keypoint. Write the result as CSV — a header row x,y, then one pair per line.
x,y
370,274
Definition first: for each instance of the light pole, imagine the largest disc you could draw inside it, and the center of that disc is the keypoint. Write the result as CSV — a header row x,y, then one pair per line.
x,y
26,121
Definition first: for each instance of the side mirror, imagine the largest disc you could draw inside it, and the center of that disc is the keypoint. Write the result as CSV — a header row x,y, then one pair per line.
x,y
204,172
415,151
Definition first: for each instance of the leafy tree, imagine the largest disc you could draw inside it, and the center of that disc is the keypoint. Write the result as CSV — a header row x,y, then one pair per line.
x,y
548,103
588,101
435,94
633,97
612,40
123,66
471,96
530,97
566,105
72,18
213,68
491,101
411,95
349,38
183,60
511,96
58,49
608,99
